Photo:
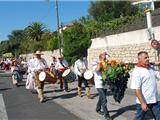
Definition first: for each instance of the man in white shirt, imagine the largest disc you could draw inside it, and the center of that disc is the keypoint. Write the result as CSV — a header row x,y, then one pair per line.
x,y
61,66
80,67
53,65
39,65
144,82
102,102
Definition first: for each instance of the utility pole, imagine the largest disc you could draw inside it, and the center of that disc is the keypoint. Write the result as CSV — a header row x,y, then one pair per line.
x,y
61,35
59,39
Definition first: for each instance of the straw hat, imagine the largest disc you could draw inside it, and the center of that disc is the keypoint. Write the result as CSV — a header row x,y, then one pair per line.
x,y
38,53
60,56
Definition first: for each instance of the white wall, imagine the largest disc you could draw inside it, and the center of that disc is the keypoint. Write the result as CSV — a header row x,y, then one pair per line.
x,y
127,38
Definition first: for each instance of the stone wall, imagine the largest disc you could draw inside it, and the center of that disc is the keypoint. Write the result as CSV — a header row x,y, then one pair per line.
x,y
125,53
124,46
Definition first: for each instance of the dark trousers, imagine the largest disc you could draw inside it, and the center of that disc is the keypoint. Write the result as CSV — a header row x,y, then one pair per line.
x,y
80,80
63,82
102,102
155,109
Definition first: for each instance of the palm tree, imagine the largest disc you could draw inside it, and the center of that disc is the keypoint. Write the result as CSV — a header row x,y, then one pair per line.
x,y
36,30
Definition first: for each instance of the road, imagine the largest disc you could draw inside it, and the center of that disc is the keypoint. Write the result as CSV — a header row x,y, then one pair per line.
x,y
17,103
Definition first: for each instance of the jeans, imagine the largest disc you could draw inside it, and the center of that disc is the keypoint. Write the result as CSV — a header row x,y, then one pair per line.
x,y
155,109
17,76
80,80
102,102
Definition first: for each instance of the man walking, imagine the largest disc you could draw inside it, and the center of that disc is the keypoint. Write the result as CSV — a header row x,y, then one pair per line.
x,y
102,102
80,67
144,82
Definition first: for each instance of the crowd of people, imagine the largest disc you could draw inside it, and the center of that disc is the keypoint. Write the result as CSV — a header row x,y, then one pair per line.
x,y
143,80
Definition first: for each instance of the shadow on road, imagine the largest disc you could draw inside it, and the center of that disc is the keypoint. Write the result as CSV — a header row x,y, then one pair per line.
x,y
64,96
4,89
129,108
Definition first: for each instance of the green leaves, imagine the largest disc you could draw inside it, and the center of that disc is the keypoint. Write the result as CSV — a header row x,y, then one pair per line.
x,y
76,42
103,11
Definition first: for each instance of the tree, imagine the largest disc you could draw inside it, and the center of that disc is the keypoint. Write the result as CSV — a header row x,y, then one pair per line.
x,y
15,40
104,11
52,44
36,30
76,42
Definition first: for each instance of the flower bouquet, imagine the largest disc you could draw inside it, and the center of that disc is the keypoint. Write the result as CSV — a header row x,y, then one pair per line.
x,y
115,74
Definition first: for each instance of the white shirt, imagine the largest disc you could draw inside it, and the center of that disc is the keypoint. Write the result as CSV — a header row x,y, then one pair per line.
x,y
30,65
39,64
60,66
80,66
97,77
145,80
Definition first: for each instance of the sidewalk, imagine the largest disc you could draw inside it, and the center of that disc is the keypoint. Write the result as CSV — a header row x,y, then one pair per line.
x,y
85,108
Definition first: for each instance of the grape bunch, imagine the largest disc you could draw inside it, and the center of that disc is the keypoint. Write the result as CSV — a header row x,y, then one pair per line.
x,y
118,88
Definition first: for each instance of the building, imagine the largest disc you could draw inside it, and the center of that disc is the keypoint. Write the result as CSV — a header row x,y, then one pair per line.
x,y
147,4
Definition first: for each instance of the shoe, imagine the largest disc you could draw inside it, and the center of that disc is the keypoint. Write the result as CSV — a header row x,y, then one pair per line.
x,y
34,92
108,117
16,85
67,90
100,112
61,89
41,100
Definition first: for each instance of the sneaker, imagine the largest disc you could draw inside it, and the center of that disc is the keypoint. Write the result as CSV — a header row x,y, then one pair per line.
x,y
108,118
100,112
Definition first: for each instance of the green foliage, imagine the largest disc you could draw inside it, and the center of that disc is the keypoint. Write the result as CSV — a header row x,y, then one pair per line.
x,y
52,44
103,11
36,30
76,42
96,29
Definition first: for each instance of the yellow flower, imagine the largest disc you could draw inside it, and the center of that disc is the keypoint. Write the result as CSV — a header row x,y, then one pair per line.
x,y
113,63
104,65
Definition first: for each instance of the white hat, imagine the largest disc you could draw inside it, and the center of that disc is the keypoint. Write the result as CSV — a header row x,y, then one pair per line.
x,y
38,53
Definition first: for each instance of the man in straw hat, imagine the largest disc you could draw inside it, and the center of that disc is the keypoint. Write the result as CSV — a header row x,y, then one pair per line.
x,y
39,64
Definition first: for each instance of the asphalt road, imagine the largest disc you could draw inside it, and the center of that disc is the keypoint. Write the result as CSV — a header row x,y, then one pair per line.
x,y
21,104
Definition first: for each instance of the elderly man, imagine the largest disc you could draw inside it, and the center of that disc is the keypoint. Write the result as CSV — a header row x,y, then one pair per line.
x,y
39,64
144,82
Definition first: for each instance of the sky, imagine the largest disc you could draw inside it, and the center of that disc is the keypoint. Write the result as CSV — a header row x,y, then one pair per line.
x,y
18,14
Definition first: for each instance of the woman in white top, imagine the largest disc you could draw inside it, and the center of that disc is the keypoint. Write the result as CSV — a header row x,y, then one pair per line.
x,y
30,82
